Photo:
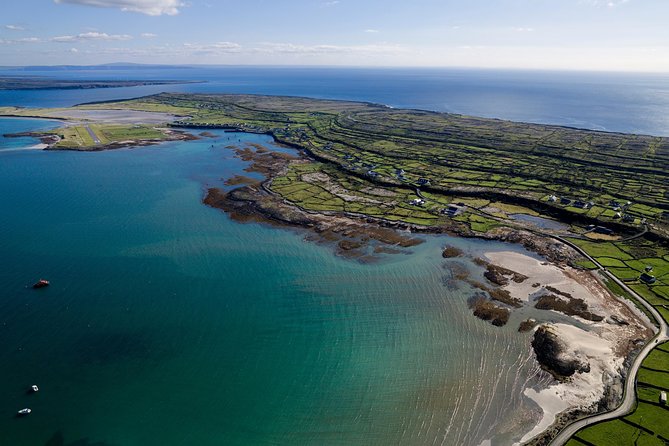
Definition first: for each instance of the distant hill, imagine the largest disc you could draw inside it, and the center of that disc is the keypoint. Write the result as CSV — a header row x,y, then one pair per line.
x,y
103,67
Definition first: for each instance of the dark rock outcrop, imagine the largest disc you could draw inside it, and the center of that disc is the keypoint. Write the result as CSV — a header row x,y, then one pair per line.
x,y
552,356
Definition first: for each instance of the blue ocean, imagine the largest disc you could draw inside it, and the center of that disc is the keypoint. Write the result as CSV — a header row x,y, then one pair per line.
x,y
167,323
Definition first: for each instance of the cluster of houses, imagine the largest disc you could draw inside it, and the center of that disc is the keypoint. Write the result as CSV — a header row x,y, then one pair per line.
x,y
452,210
210,125
619,209
568,202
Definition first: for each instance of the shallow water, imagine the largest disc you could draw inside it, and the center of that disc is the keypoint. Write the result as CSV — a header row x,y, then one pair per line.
x,y
167,323
541,222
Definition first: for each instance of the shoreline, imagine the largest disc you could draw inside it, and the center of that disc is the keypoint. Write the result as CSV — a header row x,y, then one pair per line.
x,y
257,203
602,349
360,236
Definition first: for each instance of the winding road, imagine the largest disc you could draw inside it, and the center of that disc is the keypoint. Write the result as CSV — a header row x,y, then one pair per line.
x,y
629,395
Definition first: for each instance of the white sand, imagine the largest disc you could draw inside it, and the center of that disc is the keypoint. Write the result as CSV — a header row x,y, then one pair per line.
x,y
116,116
584,389
21,149
537,271
603,345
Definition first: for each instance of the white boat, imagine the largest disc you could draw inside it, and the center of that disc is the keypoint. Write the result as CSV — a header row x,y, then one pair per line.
x,y
34,388
25,411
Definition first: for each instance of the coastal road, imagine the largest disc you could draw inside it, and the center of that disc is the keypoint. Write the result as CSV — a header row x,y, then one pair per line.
x,y
629,395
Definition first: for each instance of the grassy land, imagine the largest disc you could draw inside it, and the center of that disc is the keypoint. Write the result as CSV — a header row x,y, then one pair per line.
x,y
77,136
495,167
371,160
409,166
648,424
516,164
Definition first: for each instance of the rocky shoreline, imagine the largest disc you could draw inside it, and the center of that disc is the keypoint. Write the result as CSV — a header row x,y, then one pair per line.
x,y
362,238
51,141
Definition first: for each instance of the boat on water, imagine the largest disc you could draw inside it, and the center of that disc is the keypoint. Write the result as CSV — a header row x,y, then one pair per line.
x,y
41,283
34,388
24,412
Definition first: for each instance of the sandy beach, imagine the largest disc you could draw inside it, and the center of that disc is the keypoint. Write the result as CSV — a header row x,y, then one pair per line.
x,y
601,346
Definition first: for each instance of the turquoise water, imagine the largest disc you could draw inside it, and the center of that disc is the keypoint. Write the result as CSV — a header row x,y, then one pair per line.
x,y
14,125
169,324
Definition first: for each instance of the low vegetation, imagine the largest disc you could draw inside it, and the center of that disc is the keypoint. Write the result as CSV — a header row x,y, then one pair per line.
x,y
647,425
437,171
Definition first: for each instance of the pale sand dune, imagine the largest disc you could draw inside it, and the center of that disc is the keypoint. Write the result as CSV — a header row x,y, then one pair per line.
x,y
604,345
584,389
537,271
116,116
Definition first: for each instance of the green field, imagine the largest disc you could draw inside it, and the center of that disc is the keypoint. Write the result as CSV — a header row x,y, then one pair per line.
x,y
649,423
410,167
515,164
78,136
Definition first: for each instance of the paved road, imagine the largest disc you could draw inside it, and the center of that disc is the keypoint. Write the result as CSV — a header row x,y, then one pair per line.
x,y
90,131
629,396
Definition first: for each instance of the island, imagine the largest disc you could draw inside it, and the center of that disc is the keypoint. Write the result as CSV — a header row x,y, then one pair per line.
x,y
366,178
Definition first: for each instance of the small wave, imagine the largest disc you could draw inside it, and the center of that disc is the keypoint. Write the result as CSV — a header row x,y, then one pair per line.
x,y
22,149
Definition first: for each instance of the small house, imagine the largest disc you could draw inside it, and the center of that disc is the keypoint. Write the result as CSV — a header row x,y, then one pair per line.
x,y
452,210
647,278
628,218
565,201
663,398
603,230
552,198
423,181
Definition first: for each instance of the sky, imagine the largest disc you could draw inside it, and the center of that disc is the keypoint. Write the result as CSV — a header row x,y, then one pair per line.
x,y
611,35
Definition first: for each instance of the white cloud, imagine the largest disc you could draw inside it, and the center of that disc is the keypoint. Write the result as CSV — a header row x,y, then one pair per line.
x,y
331,3
14,27
372,31
148,35
74,50
22,40
607,3
289,48
521,29
149,7
212,48
91,36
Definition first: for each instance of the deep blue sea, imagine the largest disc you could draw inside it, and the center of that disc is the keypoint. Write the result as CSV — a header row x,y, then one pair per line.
x,y
169,324
620,102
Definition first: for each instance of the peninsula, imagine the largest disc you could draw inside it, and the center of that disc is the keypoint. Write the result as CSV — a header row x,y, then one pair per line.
x,y
41,83
365,178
